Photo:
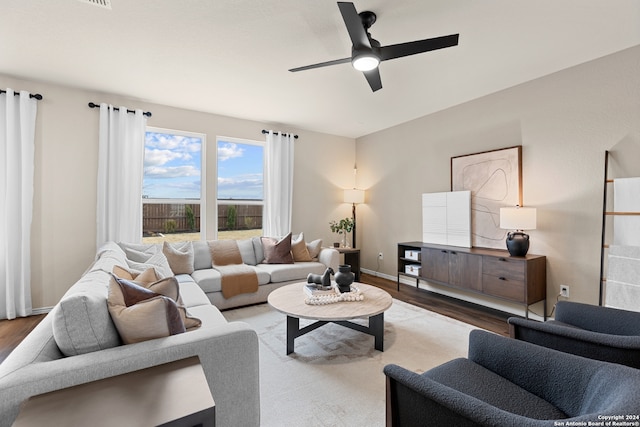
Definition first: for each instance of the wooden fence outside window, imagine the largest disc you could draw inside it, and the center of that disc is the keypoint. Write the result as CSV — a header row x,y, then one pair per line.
x,y
183,218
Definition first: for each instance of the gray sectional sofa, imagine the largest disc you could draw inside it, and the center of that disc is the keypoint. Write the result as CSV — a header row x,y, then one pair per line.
x,y
77,341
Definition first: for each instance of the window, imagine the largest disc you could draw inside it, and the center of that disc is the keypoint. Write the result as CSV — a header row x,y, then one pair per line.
x,y
173,186
240,189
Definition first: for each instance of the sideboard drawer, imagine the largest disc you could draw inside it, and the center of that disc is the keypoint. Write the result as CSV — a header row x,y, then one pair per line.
x,y
503,267
503,287
486,271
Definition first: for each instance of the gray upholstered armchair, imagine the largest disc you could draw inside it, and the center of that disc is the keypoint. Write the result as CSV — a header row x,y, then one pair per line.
x,y
600,333
506,382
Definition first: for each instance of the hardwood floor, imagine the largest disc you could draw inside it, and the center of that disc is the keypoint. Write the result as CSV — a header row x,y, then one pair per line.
x,y
12,332
473,314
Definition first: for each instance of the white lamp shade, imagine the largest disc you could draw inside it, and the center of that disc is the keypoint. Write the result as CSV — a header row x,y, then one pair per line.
x,y
518,218
354,196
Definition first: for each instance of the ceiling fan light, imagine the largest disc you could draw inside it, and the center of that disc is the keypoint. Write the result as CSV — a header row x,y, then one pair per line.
x,y
365,62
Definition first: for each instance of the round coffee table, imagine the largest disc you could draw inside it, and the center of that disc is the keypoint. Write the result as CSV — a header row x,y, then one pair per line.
x,y
289,300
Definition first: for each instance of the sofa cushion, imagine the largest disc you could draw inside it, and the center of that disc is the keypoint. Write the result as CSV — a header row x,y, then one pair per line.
x,y
201,255
143,312
192,296
493,389
247,252
82,324
180,256
287,272
299,249
277,251
314,248
210,280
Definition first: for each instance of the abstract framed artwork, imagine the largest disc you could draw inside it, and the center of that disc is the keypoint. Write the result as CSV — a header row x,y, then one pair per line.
x,y
495,180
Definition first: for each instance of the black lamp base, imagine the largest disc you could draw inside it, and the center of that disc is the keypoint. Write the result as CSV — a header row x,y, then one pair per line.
x,y
517,243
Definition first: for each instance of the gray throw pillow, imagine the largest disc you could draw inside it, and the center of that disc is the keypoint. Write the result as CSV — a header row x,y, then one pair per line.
x,y
258,249
247,252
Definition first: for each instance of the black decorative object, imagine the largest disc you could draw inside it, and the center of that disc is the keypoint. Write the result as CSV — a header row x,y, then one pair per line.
x,y
517,243
344,277
367,53
518,219
324,280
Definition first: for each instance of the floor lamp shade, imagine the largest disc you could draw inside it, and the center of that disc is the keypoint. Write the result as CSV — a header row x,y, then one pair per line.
x,y
517,219
353,196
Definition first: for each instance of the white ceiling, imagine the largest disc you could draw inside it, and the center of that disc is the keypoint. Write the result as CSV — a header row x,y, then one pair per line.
x,y
231,57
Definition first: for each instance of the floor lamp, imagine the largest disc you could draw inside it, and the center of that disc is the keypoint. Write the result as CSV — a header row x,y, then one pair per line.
x,y
353,196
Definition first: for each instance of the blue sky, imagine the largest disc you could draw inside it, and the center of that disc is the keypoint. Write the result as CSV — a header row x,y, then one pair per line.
x,y
172,168
240,171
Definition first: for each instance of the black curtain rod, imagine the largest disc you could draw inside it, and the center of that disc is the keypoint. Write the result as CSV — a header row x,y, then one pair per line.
x,y
283,134
31,95
146,113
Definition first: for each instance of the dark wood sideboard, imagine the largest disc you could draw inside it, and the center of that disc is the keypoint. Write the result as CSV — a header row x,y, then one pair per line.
x,y
490,272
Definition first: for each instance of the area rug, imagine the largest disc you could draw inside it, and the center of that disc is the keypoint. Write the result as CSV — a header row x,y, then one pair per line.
x,y
334,377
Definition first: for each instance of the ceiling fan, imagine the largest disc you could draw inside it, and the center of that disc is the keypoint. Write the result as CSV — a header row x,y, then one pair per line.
x,y
366,52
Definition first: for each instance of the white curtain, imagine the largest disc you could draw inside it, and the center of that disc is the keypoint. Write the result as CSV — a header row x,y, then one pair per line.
x,y
278,186
17,132
120,169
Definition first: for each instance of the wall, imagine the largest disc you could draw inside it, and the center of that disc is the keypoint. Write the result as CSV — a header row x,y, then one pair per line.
x,y
63,231
564,121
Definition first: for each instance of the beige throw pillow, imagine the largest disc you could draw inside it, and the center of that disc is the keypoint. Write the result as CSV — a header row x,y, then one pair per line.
x,y
299,249
149,275
277,251
144,311
180,256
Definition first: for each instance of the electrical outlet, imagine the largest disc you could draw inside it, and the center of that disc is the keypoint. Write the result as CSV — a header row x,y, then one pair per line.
x,y
380,255
564,291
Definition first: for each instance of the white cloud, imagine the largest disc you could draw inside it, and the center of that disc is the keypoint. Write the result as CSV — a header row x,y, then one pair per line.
x,y
228,151
156,157
182,143
171,172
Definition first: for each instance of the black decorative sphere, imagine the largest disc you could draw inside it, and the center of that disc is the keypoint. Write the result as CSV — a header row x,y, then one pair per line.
x,y
517,243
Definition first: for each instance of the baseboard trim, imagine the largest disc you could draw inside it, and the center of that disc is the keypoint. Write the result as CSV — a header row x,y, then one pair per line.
x,y
42,310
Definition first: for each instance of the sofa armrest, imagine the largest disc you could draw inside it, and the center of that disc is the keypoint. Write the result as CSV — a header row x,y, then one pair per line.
x,y
330,258
228,355
416,400
596,318
569,339
570,332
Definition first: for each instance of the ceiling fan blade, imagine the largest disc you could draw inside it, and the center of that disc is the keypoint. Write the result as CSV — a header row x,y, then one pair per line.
x,y
321,64
354,25
373,77
418,46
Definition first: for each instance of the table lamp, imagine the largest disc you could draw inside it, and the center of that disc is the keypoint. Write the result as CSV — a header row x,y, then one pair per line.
x,y
353,196
518,219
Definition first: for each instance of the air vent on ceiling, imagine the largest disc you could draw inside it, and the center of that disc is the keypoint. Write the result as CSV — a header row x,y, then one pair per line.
x,y
106,4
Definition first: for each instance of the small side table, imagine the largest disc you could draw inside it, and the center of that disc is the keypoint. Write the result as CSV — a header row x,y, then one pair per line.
x,y
173,394
352,257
